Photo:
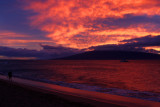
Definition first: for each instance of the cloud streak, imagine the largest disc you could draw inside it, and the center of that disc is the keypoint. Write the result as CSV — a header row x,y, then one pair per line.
x,y
144,44
47,52
81,24
144,41
19,40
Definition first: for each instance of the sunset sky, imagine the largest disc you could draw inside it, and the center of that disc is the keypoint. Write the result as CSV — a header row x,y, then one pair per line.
x,y
40,28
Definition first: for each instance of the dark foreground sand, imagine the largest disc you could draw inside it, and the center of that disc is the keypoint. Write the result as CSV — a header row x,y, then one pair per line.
x,y
12,95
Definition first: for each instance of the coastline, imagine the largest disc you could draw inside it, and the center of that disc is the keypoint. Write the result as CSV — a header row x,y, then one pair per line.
x,y
12,95
48,95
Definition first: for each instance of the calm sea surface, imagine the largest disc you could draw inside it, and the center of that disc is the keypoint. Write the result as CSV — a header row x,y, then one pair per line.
x,y
96,75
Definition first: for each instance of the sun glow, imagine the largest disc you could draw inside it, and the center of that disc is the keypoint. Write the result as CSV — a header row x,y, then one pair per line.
x,y
157,48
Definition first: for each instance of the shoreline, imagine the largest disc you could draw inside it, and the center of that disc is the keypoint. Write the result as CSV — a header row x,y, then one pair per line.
x,y
13,95
76,96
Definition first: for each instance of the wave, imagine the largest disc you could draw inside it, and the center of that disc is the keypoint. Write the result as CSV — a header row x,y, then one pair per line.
x,y
114,91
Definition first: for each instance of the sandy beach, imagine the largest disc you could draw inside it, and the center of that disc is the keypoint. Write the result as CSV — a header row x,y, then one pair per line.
x,y
27,93
12,95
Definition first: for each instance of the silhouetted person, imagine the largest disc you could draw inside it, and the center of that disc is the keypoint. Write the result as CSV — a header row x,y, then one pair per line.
x,y
10,75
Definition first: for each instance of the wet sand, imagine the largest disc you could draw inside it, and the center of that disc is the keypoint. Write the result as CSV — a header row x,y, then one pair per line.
x,y
12,95
27,93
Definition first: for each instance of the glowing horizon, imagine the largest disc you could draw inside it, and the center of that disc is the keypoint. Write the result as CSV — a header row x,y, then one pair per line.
x,y
78,24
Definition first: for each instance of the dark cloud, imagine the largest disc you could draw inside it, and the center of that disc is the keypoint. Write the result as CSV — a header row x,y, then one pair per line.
x,y
48,52
136,44
60,49
78,25
127,21
144,41
13,52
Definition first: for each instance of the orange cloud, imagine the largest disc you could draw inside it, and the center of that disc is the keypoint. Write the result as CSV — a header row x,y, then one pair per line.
x,y
13,39
8,34
18,58
157,48
69,22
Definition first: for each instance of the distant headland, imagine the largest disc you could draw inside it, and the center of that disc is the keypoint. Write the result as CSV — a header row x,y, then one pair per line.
x,y
113,55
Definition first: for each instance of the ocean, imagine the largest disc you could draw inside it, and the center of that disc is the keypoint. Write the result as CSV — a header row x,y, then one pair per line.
x,y
136,78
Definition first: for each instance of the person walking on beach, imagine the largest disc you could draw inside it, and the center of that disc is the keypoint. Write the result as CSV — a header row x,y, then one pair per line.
x,y
10,75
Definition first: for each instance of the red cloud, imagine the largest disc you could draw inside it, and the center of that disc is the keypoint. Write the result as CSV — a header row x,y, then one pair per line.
x,y
69,22
13,39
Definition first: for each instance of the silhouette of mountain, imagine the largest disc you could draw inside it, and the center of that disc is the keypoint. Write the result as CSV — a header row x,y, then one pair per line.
x,y
112,55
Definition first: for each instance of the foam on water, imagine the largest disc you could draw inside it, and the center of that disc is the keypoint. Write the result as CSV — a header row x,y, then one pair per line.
x,y
132,79
115,91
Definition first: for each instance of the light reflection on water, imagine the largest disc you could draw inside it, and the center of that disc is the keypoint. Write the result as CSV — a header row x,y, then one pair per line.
x,y
142,75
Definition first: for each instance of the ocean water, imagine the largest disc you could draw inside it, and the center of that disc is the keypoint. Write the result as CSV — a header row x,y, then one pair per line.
x,y
136,78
